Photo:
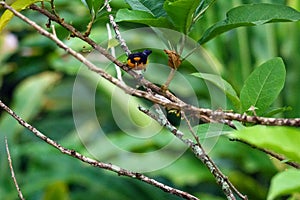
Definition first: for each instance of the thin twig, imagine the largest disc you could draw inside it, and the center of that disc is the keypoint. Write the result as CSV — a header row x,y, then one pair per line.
x,y
53,8
191,129
170,78
116,28
103,51
113,53
173,102
53,30
199,152
212,162
207,114
182,44
221,115
97,70
201,113
107,166
275,155
12,171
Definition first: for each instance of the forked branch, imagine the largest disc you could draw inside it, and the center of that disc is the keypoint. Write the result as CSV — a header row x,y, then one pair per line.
x,y
107,166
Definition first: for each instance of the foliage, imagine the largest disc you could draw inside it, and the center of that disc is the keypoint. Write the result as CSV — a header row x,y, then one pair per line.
x,y
283,183
17,5
282,140
38,80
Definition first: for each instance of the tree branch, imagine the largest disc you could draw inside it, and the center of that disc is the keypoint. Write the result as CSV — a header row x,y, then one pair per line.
x,y
198,151
155,96
175,103
116,28
275,155
107,166
12,171
102,50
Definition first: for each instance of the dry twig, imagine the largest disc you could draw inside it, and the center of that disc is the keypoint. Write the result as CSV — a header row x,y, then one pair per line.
x,y
274,155
199,152
116,28
12,171
107,166
204,114
170,102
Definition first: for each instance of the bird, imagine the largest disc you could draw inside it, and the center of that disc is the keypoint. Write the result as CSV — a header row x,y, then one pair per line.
x,y
139,60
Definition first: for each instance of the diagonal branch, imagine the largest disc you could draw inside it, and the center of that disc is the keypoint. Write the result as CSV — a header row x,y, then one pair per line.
x,y
275,155
201,113
12,171
198,151
107,166
170,101
116,28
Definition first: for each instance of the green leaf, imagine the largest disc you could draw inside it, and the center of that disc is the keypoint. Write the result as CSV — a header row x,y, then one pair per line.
x,y
281,140
153,7
251,15
181,13
88,3
224,86
277,110
93,5
284,183
238,125
141,17
263,85
18,6
112,43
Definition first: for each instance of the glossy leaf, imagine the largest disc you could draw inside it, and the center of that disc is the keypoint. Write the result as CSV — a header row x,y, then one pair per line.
x,y
18,6
181,13
224,86
263,85
251,15
153,7
93,5
281,140
284,183
141,17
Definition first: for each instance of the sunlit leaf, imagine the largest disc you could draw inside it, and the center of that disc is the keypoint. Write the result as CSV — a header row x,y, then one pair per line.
x,y
284,183
18,6
141,17
153,7
112,43
181,13
281,140
263,85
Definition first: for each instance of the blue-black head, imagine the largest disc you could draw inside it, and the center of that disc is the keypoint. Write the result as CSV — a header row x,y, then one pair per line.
x,y
147,52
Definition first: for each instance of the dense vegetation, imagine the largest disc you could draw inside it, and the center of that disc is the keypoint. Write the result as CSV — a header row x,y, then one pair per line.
x,y
55,93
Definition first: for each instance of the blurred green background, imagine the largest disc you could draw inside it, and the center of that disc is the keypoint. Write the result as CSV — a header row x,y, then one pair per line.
x,y
37,80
